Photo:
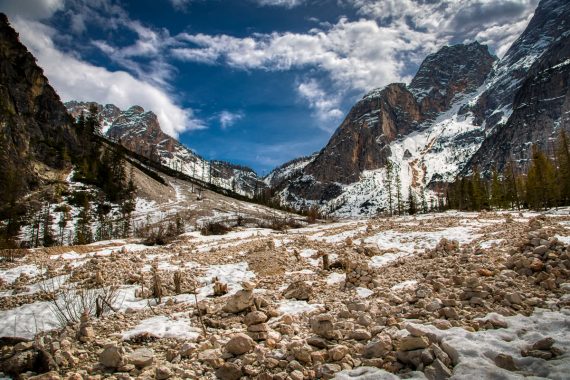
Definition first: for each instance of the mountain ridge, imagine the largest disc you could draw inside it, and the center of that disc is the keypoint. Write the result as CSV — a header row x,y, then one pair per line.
x,y
140,132
437,127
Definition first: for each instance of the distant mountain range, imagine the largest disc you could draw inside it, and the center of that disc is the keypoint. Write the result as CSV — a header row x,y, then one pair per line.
x,y
139,131
464,108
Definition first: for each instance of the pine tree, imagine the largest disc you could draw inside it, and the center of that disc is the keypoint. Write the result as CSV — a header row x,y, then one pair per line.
x,y
399,193
424,201
477,192
540,181
412,202
497,196
512,191
389,179
64,217
47,235
563,173
83,234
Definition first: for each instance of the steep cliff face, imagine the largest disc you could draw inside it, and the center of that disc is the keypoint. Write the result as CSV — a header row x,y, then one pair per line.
x,y
364,141
550,22
36,133
541,109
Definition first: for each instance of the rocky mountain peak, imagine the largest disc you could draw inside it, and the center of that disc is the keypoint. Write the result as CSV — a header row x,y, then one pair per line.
x,y
135,110
453,70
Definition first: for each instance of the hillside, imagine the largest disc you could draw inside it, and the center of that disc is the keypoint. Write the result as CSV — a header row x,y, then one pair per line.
x,y
139,131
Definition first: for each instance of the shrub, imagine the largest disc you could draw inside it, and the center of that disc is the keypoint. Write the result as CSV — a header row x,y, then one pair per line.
x,y
214,228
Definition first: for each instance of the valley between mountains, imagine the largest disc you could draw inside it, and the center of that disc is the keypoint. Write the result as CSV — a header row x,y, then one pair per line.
x,y
428,239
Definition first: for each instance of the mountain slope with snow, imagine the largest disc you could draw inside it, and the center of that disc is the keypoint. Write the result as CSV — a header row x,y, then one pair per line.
x,y
139,131
462,108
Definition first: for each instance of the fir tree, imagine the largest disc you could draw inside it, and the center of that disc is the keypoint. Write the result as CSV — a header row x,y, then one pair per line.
x,y
83,234
47,235
511,193
412,202
497,196
389,184
540,185
563,175
399,193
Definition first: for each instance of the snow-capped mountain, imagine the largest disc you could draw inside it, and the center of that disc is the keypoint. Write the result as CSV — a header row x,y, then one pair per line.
x,y
139,131
463,108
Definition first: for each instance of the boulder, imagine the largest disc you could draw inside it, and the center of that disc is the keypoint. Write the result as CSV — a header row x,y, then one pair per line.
x,y
240,344
378,348
254,318
239,301
229,371
298,290
143,357
112,356
409,343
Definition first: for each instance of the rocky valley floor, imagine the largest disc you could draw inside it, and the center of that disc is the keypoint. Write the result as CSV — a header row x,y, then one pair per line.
x,y
460,295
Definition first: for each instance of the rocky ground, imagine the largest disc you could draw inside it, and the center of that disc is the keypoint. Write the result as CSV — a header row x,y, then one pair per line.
x,y
458,295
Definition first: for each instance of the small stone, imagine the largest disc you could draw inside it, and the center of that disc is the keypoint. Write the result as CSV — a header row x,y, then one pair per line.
x,y
409,343
262,327
378,348
485,272
546,355
112,356
536,265
437,371
162,373
360,334
514,298
296,375
240,344
506,362
254,318
451,352
541,249
229,371
187,349
299,290
441,355
143,357
543,344
23,346
327,371
211,357
302,353
241,300
322,325
338,352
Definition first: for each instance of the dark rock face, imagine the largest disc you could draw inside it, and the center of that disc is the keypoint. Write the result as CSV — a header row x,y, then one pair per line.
x,y
36,132
541,109
453,70
551,19
362,140
140,132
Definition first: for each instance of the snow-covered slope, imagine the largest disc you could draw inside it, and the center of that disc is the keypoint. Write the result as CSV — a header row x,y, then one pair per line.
x,y
139,131
431,130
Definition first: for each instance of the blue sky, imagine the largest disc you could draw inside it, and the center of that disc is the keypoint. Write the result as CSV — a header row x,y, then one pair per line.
x,y
255,82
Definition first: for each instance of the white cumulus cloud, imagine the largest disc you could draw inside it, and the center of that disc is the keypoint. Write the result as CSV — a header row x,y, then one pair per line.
x,y
325,106
75,79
